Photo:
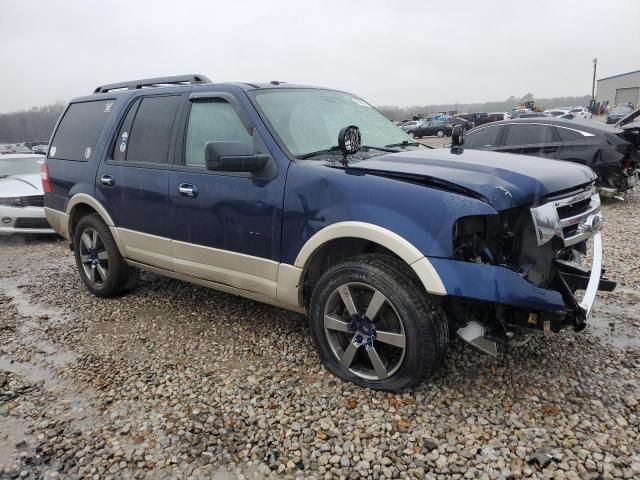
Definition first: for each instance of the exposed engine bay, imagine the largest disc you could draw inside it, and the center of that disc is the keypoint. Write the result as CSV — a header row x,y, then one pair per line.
x,y
545,244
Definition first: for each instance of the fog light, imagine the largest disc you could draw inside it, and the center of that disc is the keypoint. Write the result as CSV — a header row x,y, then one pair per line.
x,y
6,220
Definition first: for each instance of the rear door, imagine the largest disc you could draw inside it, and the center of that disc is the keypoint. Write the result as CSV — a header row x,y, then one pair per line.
x,y
133,181
540,140
577,145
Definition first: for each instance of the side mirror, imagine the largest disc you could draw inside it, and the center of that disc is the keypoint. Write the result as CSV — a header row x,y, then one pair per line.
x,y
233,157
457,136
457,139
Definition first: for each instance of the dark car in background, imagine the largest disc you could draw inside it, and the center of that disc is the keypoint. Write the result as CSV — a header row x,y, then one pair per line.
x,y
466,124
477,118
610,151
618,114
534,115
433,128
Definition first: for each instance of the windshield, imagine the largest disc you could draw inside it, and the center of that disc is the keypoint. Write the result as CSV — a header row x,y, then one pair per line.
x,y
309,120
19,166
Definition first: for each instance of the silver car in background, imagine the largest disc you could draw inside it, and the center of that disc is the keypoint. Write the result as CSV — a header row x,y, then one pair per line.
x,y
21,195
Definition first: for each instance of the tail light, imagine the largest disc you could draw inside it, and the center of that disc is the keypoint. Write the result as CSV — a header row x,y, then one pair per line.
x,y
44,176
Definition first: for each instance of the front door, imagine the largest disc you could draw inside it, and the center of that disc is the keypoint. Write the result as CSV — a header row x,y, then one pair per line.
x,y
133,182
226,225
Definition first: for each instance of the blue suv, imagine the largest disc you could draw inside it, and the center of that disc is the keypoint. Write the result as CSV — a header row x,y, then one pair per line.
x,y
311,200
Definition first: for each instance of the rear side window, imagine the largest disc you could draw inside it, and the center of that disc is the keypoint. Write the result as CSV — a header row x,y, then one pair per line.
x,y
145,133
527,134
568,135
482,138
79,130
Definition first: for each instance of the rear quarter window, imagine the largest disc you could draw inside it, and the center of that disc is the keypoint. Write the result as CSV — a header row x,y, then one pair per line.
x,y
79,130
568,135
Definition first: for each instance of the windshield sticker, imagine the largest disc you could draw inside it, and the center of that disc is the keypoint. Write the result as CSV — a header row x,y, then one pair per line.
x,y
107,107
52,151
87,152
357,101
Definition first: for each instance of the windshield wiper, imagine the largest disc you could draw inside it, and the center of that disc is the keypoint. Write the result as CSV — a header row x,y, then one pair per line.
x,y
333,149
336,148
404,143
407,143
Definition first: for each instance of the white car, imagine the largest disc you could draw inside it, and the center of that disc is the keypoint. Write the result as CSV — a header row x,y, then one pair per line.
x,y
580,112
557,112
411,126
21,195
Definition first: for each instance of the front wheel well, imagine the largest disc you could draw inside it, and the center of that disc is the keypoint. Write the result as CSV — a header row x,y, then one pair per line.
x,y
335,252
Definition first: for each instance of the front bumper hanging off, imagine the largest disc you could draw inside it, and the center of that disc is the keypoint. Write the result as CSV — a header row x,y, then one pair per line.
x,y
572,277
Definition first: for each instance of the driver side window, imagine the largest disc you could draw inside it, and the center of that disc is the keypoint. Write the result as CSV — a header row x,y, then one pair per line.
x,y
212,120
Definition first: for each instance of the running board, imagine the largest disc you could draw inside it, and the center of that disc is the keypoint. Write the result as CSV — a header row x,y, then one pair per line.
x,y
473,334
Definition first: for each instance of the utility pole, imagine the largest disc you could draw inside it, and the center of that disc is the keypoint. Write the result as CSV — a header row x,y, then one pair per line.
x,y
593,86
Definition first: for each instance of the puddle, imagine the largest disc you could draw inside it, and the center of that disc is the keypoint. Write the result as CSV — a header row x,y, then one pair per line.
x,y
617,321
41,370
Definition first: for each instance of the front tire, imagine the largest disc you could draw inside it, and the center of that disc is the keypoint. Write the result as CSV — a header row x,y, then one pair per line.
x,y
100,265
374,325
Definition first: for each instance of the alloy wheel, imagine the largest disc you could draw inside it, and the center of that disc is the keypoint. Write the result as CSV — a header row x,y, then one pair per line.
x,y
364,331
94,256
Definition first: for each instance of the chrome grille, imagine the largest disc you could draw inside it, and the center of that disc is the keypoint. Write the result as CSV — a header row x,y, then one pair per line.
x,y
573,218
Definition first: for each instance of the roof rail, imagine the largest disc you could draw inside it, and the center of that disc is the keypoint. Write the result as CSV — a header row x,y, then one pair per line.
x,y
154,82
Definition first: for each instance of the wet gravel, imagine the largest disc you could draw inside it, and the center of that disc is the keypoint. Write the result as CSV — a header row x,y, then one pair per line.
x,y
177,381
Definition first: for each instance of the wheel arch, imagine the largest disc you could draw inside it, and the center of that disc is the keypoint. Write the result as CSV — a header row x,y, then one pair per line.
x,y
83,204
342,240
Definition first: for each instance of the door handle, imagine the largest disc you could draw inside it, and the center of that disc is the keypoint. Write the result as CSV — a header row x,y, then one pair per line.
x,y
107,180
188,190
549,149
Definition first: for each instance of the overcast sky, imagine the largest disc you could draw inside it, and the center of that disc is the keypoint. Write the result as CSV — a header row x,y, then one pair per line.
x,y
388,52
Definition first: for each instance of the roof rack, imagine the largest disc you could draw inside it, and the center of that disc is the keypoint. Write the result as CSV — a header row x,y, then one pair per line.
x,y
154,82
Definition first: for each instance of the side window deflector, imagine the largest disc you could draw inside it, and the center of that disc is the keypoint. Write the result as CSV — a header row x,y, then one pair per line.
x,y
227,97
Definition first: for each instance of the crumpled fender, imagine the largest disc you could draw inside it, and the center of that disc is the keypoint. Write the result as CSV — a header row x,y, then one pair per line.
x,y
495,284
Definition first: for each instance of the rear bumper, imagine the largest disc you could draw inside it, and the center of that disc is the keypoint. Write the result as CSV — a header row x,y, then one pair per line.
x,y
626,184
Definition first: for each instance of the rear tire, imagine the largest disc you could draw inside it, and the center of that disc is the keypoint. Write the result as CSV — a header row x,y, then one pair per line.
x,y
405,340
100,265
440,133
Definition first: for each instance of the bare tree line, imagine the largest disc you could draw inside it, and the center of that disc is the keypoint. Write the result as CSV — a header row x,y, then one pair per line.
x,y
404,113
35,124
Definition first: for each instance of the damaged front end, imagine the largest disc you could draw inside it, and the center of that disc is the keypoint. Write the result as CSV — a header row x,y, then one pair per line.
x,y
523,270
621,175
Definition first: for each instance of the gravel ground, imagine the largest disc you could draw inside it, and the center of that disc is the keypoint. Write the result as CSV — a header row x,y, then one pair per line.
x,y
177,381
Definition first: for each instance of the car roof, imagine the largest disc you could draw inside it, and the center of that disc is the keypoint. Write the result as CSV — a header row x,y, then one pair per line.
x,y
203,87
590,126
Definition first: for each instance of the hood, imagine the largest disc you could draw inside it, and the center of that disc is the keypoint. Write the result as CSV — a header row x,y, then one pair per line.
x,y
21,185
503,180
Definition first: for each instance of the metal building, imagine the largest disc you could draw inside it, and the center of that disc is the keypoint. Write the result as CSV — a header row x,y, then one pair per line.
x,y
620,89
